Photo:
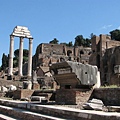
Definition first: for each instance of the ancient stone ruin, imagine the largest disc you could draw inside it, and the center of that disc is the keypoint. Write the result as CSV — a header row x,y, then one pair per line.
x,y
105,55
75,80
47,54
72,74
21,32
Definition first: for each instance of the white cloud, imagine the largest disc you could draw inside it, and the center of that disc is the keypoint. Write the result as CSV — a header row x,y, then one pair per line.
x,y
106,26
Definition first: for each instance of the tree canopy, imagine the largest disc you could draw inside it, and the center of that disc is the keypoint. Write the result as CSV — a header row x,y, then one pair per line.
x,y
115,34
25,52
4,62
5,59
81,41
69,44
54,41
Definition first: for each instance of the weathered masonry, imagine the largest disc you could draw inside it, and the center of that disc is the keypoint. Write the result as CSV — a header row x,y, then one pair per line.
x,y
21,32
70,74
74,80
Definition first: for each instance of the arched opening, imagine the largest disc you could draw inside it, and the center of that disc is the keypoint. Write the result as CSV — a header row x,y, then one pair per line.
x,y
81,52
69,52
62,59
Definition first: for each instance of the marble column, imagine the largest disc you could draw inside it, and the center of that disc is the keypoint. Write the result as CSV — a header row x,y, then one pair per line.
x,y
30,58
20,57
11,51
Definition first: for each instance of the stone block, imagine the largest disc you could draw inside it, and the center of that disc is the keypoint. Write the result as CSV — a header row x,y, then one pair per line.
x,y
18,32
23,93
37,98
72,96
36,86
29,36
18,35
117,69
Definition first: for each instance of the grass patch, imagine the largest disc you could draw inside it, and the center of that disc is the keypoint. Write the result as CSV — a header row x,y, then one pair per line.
x,y
110,86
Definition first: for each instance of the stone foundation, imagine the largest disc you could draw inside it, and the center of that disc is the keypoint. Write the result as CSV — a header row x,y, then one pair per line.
x,y
73,96
24,93
36,86
51,112
109,96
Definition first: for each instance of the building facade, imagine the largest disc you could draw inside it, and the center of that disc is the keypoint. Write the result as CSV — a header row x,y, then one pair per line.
x,y
105,54
46,54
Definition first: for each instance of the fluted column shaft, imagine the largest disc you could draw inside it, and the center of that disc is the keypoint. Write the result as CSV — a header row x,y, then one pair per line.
x,y
20,57
30,57
11,51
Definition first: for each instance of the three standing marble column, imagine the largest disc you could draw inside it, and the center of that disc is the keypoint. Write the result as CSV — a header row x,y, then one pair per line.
x,y
11,51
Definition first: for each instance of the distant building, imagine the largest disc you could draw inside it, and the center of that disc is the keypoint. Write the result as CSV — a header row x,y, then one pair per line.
x,y
105,54
46,54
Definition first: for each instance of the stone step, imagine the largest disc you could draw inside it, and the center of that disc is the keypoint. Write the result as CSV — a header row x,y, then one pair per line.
x,y
5,117
28,111
21,114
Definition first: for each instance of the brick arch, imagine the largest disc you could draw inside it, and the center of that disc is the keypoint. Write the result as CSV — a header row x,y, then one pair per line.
x,y
69,52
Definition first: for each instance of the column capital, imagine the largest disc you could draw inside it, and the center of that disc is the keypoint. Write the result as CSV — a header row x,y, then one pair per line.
x,y
11,36
30,40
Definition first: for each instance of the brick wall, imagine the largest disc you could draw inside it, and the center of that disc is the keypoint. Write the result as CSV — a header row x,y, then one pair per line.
x,y
24,93
72,96
109,96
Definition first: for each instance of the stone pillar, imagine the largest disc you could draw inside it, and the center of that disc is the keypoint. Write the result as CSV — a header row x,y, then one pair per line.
x,y
20,57
30,58
11,51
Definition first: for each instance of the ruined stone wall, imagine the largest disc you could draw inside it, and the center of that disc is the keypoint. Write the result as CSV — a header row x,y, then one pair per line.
x,y
72,96
94,42
109,96
47,54
103,55
112,43
95,46
24,93
53,49
110,59
84,58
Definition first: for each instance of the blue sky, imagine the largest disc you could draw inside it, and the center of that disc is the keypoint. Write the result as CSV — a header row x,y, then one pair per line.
x,y
61,19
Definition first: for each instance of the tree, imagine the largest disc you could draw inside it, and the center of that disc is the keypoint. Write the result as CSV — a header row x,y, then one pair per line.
x,y
4,62
15,62
54,41
88,42
25,52
16,58
68,44
25,59
16,53
91,35
80,41
115,35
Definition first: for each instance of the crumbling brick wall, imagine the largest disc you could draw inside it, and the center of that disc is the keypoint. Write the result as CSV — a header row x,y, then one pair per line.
x,y
73,96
